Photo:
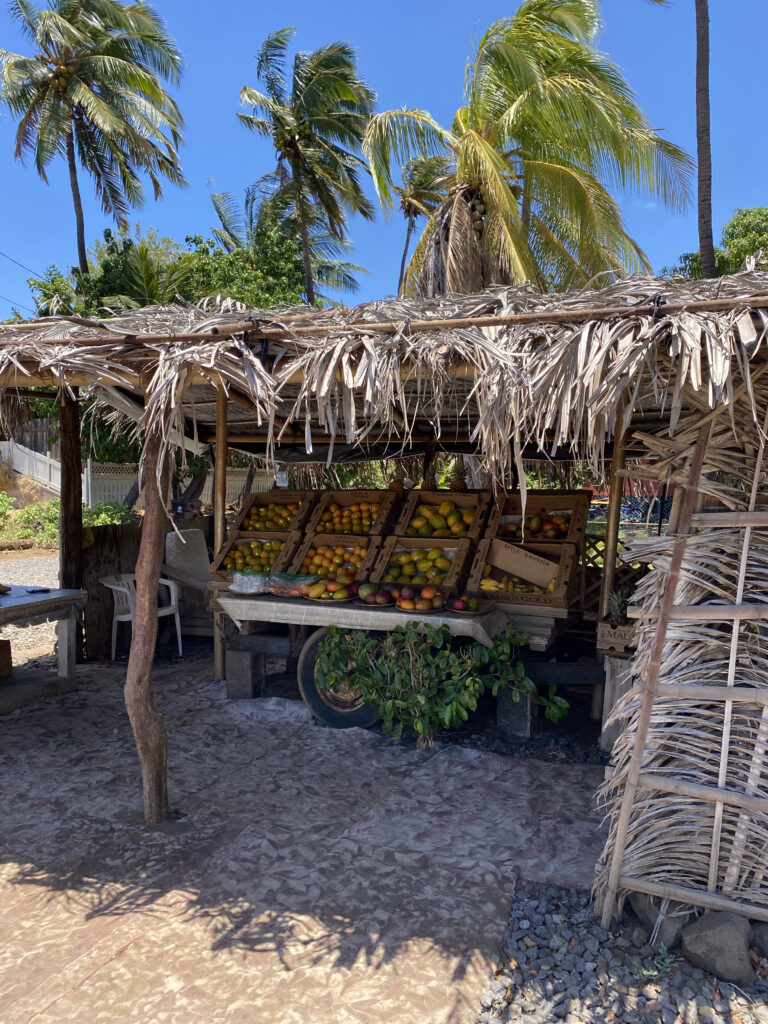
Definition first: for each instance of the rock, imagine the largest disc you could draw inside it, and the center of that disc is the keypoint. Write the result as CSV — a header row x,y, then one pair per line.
x,y
719,943
760,937
676,918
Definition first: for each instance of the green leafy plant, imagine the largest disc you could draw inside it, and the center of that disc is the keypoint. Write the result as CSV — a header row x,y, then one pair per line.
x,y
107,514
421,681
6,505
657,967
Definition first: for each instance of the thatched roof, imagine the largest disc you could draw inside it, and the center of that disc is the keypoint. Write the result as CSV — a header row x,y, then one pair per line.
x,y
499,370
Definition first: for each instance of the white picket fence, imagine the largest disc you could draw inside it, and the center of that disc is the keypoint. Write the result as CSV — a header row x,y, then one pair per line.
x,y
106,483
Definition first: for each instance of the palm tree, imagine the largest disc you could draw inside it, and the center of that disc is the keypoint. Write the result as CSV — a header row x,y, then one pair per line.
x,y
268,209
425,179
703,140
316,126
149,279
92,93
548,127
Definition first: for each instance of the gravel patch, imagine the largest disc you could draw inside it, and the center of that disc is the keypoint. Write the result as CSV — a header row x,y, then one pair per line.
x,y
558,964
42,571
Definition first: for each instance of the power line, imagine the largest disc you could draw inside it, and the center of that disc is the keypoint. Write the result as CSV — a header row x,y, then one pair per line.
x,y
22,265
19,304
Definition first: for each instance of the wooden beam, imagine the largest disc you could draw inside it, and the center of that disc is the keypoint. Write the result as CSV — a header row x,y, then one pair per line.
x,y
542,316
146,723
753,612
695,897
613,518
219,517
220,473
71,499
697,791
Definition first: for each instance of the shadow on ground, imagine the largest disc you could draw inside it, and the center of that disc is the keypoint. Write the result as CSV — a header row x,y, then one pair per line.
x,y
315,876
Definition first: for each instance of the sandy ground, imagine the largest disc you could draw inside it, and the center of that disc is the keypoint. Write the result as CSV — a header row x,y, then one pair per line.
x,y
316,876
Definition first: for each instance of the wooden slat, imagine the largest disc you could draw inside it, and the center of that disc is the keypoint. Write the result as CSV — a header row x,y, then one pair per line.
x,y
710,794
758,517
696,897
752,611
700,692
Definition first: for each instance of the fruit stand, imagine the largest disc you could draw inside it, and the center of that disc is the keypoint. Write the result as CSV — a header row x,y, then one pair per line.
x,y
374,560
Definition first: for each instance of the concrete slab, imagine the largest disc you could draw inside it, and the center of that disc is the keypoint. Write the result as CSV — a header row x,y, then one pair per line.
x,y
318,877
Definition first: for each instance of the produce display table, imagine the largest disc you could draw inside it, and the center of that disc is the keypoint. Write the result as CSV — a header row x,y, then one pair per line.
x,y
540,623
20,607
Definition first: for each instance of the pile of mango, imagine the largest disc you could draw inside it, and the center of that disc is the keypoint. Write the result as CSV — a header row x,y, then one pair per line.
x,y
419,566
357,518
445,520
537,527
333,563
254,555
272,516
329,590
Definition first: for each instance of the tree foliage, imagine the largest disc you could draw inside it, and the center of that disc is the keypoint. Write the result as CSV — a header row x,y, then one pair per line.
x,y
93,92
316,123
743,235
530,196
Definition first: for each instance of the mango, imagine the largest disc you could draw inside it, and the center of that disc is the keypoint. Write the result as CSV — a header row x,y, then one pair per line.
x,y
317,589
446,508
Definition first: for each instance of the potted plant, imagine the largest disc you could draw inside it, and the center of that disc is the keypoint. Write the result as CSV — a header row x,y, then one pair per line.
x,y
616,634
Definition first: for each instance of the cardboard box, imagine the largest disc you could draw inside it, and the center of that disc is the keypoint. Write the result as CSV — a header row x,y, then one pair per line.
x,y
344,540
508,509
459,551
305,499
380,526
480,501
290,539
616,639
538,564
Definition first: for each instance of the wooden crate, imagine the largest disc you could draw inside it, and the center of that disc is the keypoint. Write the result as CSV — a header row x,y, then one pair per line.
x,y
290,539
373,544
460,553
380,526
306,499
616,639
480,501
532,562
508,508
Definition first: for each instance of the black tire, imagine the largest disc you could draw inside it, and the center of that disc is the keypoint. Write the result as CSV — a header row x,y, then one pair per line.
x,y
339,710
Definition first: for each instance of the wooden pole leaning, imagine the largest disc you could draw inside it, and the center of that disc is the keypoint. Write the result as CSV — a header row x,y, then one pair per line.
x,y
219,516
147,725
652,675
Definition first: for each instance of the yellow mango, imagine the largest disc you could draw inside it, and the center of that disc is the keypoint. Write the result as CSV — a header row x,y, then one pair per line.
x,y
417,522
468,515
435,553
444,564
446,508
437,522
317,589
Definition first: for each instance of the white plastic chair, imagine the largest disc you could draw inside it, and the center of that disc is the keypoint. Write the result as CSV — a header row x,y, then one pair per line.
x,y
123,589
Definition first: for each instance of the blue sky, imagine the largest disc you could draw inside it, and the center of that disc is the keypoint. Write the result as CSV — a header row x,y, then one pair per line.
x,y
413,54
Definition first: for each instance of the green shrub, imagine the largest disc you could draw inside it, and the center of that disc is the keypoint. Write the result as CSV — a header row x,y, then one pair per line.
x,y
6,504
420,681
107,515
40,521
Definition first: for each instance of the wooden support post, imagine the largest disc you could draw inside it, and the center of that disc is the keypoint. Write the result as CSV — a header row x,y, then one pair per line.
x,y
651,677
219,517
616,487
147,725
71,502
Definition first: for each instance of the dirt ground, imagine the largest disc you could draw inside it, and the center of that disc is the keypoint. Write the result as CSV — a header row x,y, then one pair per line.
x,y
311,876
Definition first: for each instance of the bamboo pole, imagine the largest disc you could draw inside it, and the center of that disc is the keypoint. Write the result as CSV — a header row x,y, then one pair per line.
x,y
219,517
147,725
697,791
613,518
753,611
220,473
260,330
696,897
651,679
757,695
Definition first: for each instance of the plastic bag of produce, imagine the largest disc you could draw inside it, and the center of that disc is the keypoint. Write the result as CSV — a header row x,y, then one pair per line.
x,y
247,582
286,584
